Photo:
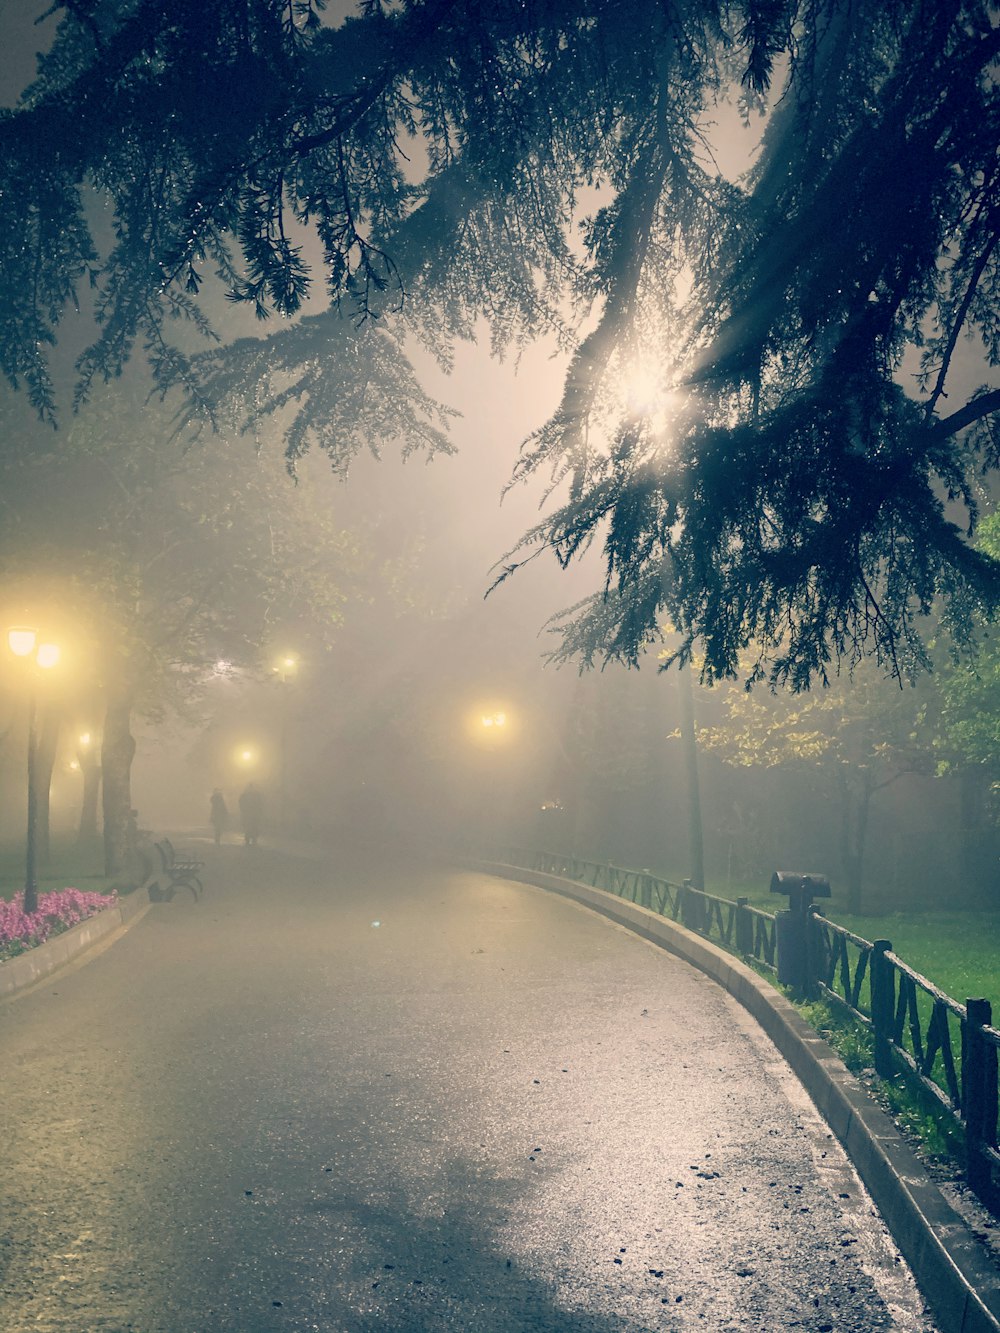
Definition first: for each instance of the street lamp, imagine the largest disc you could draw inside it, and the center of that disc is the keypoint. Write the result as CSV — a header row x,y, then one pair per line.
x,y
492,730
285,669
88,760
23,642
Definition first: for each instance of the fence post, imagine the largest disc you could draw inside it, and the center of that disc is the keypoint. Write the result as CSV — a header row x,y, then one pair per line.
x,y
744,928
883,988
790,945
692,907
813,953
979,1095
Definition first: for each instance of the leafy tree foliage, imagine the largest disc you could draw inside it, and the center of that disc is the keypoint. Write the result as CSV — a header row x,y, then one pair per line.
x,y
159,560
780,478
857,736
968,733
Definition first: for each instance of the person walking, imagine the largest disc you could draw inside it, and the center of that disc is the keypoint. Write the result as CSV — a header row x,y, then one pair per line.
x,y
218,814
251,812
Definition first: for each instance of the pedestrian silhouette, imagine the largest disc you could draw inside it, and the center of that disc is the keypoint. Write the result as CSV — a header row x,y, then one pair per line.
x,y
218,814
251,813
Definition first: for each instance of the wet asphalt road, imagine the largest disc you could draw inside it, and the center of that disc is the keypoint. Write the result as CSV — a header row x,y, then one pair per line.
x,y
385,1099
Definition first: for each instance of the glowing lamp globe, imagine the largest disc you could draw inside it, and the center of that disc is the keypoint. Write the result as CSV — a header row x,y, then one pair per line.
x,y
21,642
47,655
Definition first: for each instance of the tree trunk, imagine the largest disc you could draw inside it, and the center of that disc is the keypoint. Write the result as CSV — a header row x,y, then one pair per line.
x,y
45,758
855,808
689,741
117,752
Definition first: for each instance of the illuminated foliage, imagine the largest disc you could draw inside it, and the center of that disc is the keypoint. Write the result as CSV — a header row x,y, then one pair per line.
x,y
423,165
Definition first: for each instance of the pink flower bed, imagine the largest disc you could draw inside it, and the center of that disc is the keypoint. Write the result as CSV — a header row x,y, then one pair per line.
x,y
57,911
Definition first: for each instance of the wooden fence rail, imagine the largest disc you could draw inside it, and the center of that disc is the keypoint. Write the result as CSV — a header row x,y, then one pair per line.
x,y
947,1050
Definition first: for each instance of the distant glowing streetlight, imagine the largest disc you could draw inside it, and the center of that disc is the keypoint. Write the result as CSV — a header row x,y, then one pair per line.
x,y
88,761
286,668
23,643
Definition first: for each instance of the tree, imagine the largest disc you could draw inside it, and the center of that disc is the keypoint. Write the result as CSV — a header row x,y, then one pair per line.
x,y
735,425
860,735
968,730
159,560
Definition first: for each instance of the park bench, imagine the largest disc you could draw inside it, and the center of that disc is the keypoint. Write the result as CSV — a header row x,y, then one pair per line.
x,y
180,870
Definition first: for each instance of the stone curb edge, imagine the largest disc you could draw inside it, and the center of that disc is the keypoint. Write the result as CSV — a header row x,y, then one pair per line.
x,y
956,1278
17,974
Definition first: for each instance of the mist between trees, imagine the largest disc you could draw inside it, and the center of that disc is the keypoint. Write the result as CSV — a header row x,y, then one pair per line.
x,y
775,422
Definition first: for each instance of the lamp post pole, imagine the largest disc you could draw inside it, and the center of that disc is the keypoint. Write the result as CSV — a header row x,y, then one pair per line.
x,y
24,643
31,841
285,671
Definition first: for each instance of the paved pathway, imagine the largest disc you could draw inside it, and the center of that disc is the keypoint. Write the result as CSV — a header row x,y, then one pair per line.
x,y
356,1100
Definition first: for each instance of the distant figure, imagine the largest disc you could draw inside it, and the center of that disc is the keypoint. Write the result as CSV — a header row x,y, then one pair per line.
x,y
251,810
219,814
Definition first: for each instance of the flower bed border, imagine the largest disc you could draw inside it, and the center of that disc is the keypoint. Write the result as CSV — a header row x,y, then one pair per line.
x,y
37,963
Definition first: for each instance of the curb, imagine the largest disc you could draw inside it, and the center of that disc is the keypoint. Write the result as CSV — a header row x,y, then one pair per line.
x,y
956,1278
17,974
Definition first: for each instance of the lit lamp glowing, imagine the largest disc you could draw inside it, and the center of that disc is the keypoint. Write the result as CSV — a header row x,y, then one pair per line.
x,y
493,730
23,643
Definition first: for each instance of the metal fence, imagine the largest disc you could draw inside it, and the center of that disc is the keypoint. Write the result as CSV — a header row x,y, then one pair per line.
x,y
948,1050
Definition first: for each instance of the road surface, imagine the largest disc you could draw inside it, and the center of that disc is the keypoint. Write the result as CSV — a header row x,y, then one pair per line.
x,y
352,1097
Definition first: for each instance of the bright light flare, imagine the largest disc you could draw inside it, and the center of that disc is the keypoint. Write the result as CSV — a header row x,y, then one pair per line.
x,y
286,665
490,724
647,396
48,655
21,641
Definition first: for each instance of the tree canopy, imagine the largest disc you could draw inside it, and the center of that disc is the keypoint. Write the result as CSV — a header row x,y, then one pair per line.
x,y
758,422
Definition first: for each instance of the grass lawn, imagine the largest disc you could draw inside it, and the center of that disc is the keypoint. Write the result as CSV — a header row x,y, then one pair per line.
x,y
958,950
70,867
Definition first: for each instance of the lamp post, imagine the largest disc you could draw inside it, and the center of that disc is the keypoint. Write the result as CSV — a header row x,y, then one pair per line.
x,y
494,735
24,643
285,669
89,762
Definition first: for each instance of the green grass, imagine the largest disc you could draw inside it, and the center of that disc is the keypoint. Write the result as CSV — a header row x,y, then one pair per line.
x,y
959,951
937,1135
68,867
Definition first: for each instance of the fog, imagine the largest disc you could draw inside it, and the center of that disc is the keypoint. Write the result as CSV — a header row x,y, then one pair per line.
x,y
385,726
